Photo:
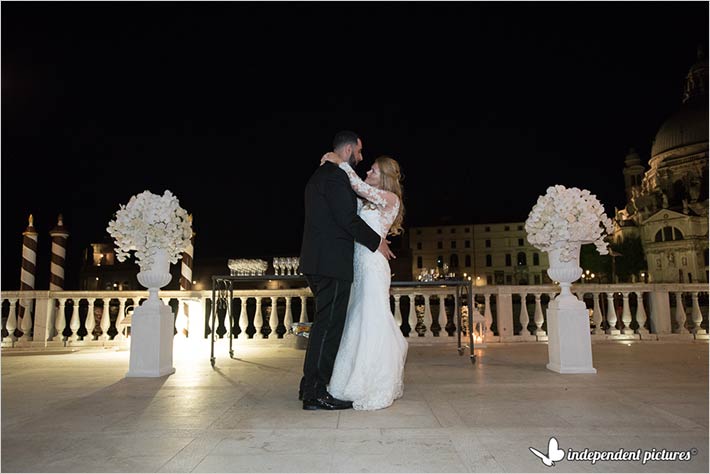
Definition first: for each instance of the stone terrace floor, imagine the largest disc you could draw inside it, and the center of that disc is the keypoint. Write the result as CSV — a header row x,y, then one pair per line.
x,y
75,412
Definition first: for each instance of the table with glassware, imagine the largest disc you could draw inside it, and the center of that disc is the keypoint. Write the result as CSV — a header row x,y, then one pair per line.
x,y
253,271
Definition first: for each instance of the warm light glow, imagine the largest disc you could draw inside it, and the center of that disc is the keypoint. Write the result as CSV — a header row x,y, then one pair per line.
x,y
478,278
587,272
469,278
97,278
465,275
194,282
115,285
592,275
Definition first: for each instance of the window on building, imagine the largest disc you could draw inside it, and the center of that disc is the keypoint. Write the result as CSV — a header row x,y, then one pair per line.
x,y
488,243
453,230
508,260
438,231
489,279
419,232
668,234
419,245
419,262
520,227
499,278
487,229
507,227
468,260
522,259
453,244
521,242
440,245
536,279
467,229
509,279
440,261
489,260
454,261
536,258
467,244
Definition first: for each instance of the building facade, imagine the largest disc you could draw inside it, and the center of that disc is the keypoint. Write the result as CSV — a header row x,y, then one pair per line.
x,y
492,254
667,204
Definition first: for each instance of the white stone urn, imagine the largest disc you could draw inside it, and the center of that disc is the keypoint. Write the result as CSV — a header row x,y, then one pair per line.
x,y
152,324
569,343
565,273
156,276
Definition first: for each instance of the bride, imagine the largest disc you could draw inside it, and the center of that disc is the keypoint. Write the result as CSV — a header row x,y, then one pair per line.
x,y
369,366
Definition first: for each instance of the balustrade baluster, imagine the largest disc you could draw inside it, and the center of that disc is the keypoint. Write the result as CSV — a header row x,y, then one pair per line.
x,y
243,318
60,321
11,324
105,320
539,318
597,315
90,322
626,315
119,318
26,323
524,317
611,314
640,314
487,315
75,322
697,316
397,313
258,318
428,319
303,317
288,317
680,316
412,318
273,318
442,319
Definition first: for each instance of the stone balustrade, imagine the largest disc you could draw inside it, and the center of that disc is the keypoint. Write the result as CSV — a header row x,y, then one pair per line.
x,y
621,311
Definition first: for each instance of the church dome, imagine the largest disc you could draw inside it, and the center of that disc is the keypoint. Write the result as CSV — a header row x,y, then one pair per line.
x,y
689,125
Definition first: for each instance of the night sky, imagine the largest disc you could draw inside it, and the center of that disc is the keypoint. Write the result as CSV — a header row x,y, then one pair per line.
x,y
231,105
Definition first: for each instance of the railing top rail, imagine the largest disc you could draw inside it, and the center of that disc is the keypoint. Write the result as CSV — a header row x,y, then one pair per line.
x,y
397,287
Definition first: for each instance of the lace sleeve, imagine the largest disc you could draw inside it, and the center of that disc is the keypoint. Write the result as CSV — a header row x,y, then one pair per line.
x,y
376,196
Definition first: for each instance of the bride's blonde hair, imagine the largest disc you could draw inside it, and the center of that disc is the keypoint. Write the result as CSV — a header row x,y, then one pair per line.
x,y
391,180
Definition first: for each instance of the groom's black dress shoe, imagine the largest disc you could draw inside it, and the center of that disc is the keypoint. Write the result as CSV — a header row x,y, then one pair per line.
x,y
326,402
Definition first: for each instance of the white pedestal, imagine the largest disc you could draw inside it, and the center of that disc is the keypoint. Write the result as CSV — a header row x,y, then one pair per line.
x,y
569,344
151,340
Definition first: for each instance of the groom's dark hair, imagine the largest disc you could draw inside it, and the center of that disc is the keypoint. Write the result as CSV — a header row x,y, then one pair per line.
x,y
343,138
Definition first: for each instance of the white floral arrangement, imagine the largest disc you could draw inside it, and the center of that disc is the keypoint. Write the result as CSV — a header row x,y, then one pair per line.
x,y
565,215
150,222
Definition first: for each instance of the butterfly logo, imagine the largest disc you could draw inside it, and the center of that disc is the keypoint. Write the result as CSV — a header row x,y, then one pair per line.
x,y
554,453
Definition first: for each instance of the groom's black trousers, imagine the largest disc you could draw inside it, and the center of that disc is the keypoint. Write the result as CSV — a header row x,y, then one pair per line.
x,y
331,295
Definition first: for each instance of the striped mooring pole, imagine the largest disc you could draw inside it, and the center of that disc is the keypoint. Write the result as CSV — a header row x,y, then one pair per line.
x,y
28,270
183,319
59,252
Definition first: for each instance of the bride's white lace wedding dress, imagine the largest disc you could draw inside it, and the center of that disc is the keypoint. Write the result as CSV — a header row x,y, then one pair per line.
x,y
369,366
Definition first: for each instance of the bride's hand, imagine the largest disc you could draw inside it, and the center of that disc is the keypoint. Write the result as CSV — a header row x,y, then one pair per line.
x,y
332,157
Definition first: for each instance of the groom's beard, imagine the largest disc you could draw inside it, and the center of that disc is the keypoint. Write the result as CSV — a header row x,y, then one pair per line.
x,y
352,161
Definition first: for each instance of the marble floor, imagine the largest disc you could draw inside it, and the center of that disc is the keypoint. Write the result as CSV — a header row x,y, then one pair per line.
x,y
75,412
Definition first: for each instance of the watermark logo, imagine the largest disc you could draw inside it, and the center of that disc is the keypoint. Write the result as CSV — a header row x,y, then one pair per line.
x,y
555,454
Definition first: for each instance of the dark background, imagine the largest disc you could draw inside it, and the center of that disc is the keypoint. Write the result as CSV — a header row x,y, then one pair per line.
x,y
231,105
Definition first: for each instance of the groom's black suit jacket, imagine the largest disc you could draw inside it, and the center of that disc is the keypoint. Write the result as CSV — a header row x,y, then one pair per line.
x,y
332,225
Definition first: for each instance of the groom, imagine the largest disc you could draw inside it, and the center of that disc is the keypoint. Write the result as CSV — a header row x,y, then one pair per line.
x,y
331,227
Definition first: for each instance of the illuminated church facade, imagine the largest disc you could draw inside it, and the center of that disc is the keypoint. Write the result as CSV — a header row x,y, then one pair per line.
x,y
667,204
